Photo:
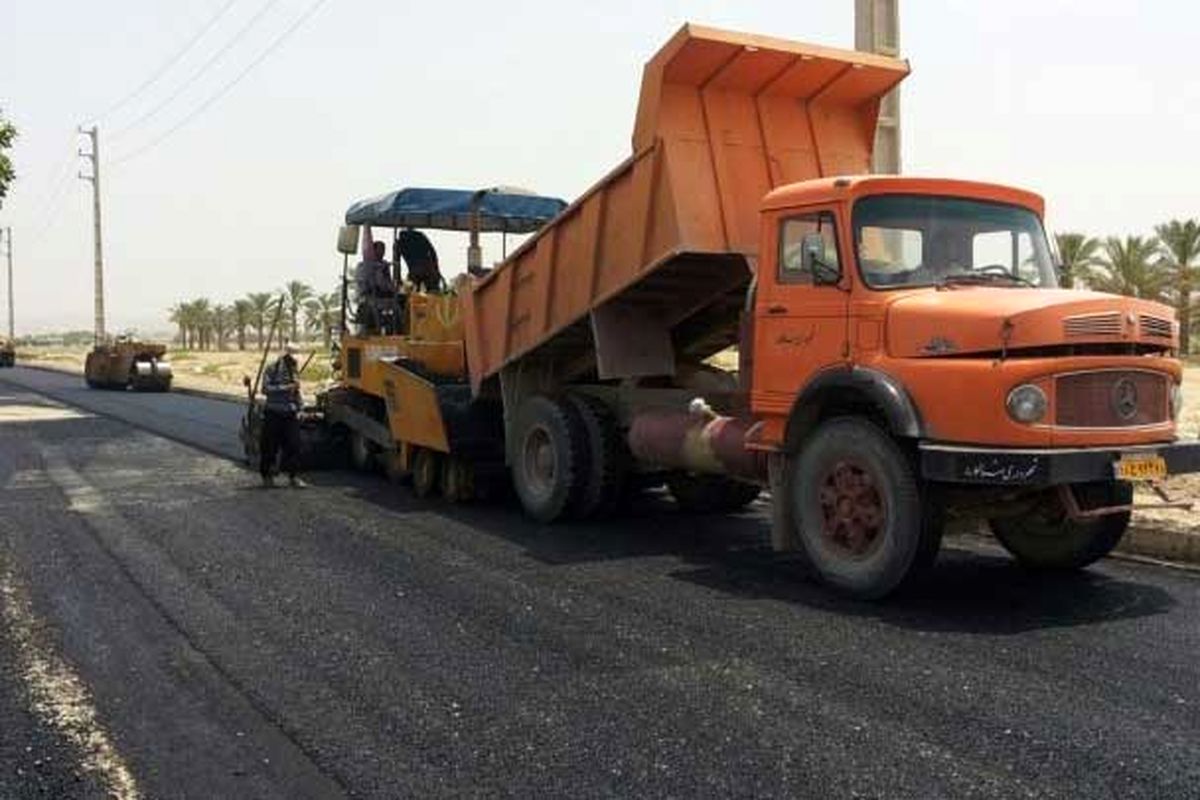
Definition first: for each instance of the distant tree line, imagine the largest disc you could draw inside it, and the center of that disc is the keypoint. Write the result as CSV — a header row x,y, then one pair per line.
x,y
306,315
1164,267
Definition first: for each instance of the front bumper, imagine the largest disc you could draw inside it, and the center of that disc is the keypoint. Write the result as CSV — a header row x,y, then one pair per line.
x,y
991,466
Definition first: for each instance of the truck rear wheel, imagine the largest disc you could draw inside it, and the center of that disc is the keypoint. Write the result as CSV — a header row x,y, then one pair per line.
x,y
607,458
858,509
1046,538
711,494
549,452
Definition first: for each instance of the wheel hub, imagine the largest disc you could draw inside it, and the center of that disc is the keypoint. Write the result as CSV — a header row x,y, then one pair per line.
x,y
852,508
540,462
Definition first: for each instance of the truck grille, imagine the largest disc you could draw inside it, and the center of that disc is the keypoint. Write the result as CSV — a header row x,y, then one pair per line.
x,y
1111,399
1157,327
1105,324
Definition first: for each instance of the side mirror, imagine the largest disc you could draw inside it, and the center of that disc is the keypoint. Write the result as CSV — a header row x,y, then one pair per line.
x,y
347,241
812,260
246,381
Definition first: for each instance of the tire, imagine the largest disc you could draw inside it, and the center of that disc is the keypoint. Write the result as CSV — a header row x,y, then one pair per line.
x,y
608,459
549,458
857,506
362,457
711,494
458,480
1045,538
426,472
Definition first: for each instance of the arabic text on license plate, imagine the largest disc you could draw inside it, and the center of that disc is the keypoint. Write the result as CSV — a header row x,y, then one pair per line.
x,y
1140,468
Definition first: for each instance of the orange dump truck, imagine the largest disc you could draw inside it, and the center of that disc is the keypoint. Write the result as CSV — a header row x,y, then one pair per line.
x,y
905,353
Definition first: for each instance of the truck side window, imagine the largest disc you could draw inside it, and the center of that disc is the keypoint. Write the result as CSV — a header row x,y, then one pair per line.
x,y
791,240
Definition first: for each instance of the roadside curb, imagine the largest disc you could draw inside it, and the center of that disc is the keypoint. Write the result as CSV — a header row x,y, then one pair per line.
x,y
1161,544
184,390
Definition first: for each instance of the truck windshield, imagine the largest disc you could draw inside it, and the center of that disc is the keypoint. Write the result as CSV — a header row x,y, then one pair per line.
x,y
922,240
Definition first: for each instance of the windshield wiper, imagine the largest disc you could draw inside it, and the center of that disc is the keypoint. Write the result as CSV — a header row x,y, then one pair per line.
x,y
985,279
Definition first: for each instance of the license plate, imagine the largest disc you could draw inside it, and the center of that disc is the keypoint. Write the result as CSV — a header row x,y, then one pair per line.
x,y
1140,468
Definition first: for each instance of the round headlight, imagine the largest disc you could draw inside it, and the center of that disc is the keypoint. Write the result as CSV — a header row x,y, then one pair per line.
x,y
1027,403
1176,401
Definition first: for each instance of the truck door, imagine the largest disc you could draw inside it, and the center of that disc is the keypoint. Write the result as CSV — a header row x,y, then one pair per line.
x,y
801,307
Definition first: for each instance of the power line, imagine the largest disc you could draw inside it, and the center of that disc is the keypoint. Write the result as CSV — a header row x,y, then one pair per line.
x,y
200,109
51,203
168,64
237,37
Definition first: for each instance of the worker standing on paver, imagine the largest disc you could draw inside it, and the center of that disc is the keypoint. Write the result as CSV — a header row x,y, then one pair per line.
x,y
281,424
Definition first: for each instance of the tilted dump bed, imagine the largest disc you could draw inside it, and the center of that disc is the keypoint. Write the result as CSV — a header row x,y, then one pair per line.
x,y
651,263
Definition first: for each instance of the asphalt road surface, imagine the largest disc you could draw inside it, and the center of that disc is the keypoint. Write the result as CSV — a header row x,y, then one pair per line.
x,y
167,629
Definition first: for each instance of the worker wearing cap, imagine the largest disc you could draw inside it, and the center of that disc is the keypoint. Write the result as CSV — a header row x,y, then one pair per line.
x,y
281,422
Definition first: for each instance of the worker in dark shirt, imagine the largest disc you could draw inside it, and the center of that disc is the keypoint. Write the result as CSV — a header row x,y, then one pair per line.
x,y
281,422
421,258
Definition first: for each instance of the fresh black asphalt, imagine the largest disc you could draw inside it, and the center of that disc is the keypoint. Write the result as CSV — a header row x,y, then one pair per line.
x,y
347,639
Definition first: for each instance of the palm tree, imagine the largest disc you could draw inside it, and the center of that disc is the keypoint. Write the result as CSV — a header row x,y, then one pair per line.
x,y
178,314
1128,267
242,314
1078,254
297,292
201,323
189,321
222,321
1180,242
321,314
260,308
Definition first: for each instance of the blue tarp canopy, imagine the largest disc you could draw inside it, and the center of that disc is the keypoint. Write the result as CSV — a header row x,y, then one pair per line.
x,y
509,210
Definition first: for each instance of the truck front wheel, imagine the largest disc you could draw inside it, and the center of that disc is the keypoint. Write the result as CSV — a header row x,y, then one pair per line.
x,y
857,506
549,458
1045,537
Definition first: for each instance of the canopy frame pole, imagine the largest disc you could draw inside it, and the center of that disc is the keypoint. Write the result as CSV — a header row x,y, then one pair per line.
x,y
345,291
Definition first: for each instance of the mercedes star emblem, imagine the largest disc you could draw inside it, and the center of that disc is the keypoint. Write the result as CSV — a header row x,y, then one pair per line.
x,y
1125,399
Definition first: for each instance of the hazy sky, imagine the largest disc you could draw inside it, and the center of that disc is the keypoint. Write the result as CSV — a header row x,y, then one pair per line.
x,y
1095,104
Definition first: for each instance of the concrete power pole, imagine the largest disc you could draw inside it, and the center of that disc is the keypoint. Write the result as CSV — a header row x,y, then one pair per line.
x,y
8,254
94,156
877,30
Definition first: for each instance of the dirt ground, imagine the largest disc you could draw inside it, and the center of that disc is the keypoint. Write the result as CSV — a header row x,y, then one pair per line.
x,y
1183,487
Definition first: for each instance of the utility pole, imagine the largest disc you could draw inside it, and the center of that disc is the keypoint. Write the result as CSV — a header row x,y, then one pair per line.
x,y
8,253
877,30
94,156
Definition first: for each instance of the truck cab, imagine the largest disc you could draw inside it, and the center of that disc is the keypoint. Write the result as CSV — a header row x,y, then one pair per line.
x,y
910,324
947,291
